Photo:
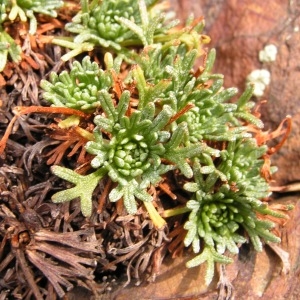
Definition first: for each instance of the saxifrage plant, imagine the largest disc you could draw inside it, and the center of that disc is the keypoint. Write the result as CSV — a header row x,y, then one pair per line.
x,y
153,114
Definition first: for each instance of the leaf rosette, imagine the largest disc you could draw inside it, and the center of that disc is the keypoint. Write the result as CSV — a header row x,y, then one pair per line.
x,y
116,24
134,148
79,88
227,200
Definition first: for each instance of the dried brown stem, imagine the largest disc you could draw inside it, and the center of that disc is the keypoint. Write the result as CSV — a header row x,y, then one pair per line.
x,y
28,274
71,239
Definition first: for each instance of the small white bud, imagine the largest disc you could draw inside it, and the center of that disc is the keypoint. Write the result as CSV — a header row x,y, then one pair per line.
x,y
260,79
268,54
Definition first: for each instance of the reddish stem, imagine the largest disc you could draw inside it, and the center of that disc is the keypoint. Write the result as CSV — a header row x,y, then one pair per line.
x,y
23,110
180,113
7,133
165,187
280,131
103,196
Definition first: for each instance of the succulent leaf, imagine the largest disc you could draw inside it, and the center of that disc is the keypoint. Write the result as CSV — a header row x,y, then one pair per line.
x,y
84,187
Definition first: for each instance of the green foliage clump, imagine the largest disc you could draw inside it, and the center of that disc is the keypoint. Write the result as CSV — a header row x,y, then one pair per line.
x,y
166,118
8,46
79,88
226,198
25,9
122,26
139,143
115,24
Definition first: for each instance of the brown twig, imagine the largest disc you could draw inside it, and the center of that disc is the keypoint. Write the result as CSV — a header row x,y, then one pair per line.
x,y
28,274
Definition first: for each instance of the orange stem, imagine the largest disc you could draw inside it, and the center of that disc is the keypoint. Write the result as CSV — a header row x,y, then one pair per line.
x,y
7,133
278,131
23,110
164,187
180,113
